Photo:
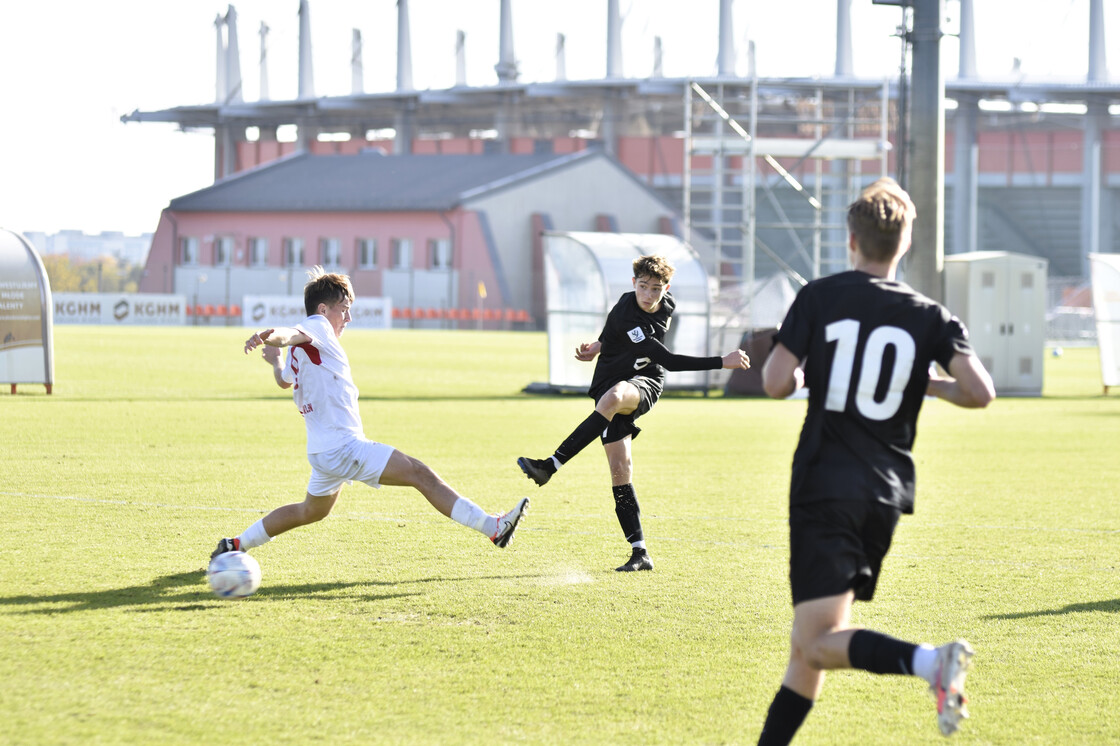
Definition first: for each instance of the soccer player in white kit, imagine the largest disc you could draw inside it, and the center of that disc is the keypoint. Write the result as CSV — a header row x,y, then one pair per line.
x,y
318,372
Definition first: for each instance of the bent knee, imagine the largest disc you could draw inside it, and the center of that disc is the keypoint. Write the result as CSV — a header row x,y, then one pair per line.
x,y
609,403
316,514
813,658
317,508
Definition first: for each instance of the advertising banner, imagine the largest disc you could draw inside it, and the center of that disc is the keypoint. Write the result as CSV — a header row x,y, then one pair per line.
x,y
287,310
1104,270
25,314
117,309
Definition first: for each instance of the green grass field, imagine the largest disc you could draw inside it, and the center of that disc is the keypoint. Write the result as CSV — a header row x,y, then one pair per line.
x,y
388,623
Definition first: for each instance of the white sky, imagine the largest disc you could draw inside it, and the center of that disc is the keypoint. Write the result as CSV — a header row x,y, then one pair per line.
x,y
70,68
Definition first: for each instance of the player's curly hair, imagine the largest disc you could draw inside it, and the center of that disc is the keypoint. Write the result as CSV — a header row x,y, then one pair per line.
x,y
879,218
655,266
325,287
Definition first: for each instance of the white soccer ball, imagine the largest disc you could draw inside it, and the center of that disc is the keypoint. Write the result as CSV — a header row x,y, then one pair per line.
x,y
234,575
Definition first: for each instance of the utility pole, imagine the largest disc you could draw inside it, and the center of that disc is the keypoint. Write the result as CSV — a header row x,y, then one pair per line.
x,y
925,174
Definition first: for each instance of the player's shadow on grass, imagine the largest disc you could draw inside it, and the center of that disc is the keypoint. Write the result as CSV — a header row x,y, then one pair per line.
x,y
187,591
1088,606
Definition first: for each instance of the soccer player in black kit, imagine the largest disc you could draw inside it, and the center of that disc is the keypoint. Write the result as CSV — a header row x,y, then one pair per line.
x,y
629,378
862,343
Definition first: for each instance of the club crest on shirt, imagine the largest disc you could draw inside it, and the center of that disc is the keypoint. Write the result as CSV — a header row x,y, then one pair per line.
x,y
636,335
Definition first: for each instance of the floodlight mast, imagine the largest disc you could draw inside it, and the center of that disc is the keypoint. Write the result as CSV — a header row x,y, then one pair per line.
x,y
925,146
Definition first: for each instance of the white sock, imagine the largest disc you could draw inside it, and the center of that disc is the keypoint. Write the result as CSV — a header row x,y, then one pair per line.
x,y
254,536
556,463
472,516
925,662
638,544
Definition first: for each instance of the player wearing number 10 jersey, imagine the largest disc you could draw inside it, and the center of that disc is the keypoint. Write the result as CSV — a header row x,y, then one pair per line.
x,y
867,343
862,342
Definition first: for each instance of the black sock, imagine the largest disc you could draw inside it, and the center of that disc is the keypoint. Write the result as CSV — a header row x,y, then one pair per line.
x,y
586,432
628,512
786,714
879,653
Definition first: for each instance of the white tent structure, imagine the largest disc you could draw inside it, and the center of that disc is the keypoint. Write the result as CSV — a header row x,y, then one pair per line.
x,y
1105,272
586,273
26,314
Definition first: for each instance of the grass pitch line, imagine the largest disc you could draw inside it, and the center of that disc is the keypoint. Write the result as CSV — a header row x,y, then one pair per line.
x,y
336,514
1042,529
130,503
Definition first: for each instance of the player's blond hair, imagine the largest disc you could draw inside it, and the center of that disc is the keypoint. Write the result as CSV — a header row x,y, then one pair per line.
x,y
325,287
655,266
879,218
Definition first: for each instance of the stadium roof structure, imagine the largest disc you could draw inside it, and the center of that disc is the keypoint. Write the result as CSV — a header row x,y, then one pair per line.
x,y
578,103
371,182
477,105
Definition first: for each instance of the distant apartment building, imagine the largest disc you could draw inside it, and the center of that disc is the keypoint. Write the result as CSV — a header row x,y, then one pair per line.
x,y
89,246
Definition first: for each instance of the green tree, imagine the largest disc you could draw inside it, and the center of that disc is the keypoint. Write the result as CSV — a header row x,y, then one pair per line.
x,y
105,274
63,275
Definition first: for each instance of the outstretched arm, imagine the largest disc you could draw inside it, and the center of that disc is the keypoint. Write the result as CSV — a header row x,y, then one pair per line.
x,y
970,384
282,336
782,374
272,340
660,354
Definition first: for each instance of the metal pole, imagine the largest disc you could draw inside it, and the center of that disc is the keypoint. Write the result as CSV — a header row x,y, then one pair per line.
x,y
903,150
927,123
965,175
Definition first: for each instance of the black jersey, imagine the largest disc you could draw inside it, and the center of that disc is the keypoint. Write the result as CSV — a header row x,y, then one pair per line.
x,y
866,344
633,344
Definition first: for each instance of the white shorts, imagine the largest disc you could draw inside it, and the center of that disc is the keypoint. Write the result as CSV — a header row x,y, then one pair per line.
x,y
361,460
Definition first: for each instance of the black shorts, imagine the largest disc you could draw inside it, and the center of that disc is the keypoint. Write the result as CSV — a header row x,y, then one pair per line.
x,y
622,425
838,545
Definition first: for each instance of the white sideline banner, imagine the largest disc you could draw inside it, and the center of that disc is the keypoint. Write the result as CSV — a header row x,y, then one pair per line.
x,y
1104,271
26,327
287,310
119,309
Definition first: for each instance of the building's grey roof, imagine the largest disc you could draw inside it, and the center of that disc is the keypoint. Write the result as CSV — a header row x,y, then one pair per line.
x,y
369,182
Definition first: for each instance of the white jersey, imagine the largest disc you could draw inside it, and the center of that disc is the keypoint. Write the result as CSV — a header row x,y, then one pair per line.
x,y
322,387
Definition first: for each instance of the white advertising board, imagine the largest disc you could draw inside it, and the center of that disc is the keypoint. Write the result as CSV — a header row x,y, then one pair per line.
x,y
25,314
1104,270
287,310
116,309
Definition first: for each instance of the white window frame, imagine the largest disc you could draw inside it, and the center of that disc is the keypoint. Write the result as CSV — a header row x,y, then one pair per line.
x,y
188,251
258,251
223,251
439,253
366,251
401,253
293,252
330,252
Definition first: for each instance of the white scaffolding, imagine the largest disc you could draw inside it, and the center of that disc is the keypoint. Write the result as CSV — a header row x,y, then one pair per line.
x,y
766,186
